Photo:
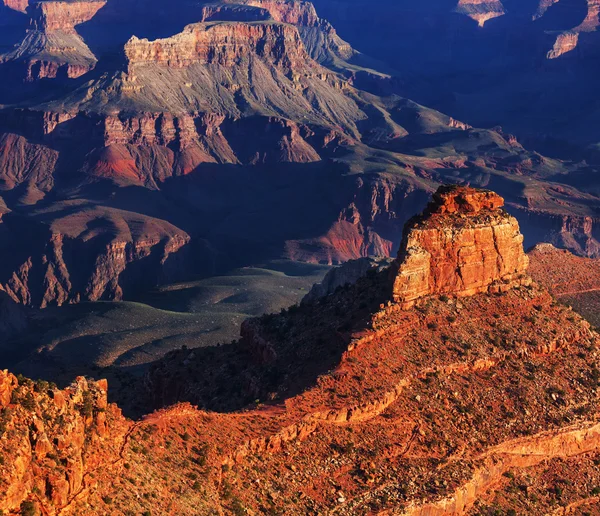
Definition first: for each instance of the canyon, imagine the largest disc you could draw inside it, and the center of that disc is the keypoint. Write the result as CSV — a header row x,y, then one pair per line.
x,y
175,178
531,67
130,157
348,404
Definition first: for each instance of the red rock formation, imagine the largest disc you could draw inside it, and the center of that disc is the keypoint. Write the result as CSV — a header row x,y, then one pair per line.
x,y
17,5
51,47
52,16
221,43
481,10
287,11
325,406
463,245
54,439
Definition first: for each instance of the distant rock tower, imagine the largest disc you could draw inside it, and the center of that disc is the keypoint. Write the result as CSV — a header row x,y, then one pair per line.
x,y
463,244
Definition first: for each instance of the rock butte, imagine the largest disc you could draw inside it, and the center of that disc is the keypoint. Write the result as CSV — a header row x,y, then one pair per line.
x,y
462,245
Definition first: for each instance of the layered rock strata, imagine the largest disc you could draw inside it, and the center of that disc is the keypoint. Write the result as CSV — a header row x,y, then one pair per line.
x,y
52,48
481,10
63,16
222,43
463,244
348,405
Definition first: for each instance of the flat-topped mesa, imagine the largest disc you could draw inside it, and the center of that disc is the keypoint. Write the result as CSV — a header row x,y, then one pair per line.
x,y
221,43
462,245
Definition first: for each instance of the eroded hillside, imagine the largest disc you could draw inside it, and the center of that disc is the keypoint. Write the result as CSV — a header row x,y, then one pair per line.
x,y
355,404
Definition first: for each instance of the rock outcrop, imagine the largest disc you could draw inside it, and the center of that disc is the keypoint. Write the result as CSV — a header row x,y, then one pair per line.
x,y
464,244
346,274
52,48
59,266
569,40
51,440
224,44
357,388
53,16
481,10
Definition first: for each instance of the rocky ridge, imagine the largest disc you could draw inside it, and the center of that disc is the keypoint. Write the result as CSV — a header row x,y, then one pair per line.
x,y
52,440
52,48
353,404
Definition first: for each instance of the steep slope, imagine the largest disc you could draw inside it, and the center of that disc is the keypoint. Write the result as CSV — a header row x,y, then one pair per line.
x,y
52,48
354,404
532,70
571,279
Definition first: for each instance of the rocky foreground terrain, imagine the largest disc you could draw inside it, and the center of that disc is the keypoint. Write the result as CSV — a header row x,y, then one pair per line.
x,y
478,397
143,145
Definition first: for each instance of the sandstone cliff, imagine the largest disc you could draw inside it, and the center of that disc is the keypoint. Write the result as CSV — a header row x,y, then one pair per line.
x,y
51,441
53,16
463,245
224,44
481,10
357,388
52,48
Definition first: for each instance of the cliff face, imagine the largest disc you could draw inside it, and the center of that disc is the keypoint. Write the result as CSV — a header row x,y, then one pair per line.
x,y
51,440
287,11
244,84
481,10
570,40
61,265
52,48
355,382
463,245
50,16
224,44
